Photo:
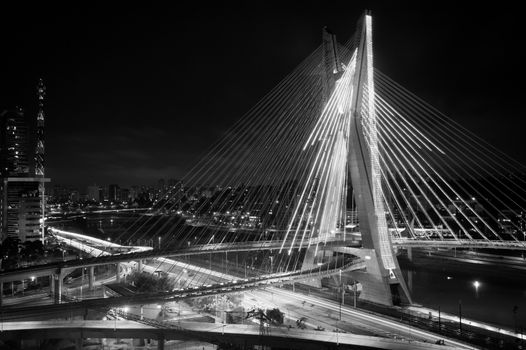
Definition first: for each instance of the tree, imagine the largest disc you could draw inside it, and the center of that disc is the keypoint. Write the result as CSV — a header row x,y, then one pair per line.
x,y
9,253
275,316
301,323
32,250
148,283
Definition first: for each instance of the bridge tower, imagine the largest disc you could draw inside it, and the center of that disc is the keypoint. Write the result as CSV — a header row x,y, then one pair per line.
x,y
382,281
331,70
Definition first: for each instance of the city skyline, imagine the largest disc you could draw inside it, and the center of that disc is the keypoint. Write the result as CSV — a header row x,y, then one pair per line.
x,y
216,167
127,98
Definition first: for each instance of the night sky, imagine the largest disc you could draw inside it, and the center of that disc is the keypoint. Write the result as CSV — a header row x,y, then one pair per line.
x,y
135,94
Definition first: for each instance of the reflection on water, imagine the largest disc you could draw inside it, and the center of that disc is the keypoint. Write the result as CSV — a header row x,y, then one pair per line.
x,y
494,301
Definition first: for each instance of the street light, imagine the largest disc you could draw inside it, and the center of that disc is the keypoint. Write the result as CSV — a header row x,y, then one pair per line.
x,y
460,317
476,284
341,295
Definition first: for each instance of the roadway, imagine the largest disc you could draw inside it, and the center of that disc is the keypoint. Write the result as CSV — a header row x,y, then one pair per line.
x,y
367,322
323,312
458,243
214,333
102,257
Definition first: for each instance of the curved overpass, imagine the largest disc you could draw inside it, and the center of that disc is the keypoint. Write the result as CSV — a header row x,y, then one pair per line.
x,y
240,335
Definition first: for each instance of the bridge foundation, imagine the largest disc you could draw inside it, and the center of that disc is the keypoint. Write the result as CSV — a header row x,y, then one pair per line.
x,y
375,284
378,284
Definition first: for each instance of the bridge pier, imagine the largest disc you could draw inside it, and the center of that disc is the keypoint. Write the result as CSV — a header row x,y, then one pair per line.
x,y
375,284
91,277
117,272
51,285
410,253
410,280
139,266
309,262
1,292
160,342
57,287
378,284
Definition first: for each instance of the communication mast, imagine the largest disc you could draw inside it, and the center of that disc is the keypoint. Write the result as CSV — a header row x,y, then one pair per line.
x,y
39,155
40,151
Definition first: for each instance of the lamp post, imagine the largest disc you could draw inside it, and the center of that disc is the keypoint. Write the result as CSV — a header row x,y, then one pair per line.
x,y
515,309
460,316
341,296
354,293
476,284
226,262
439,325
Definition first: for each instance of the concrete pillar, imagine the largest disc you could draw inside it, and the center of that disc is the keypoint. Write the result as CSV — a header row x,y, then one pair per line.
x,y
91,277
139,266
160,342
51,285
117,272
410,254
57,281
410,280
1,292
310,262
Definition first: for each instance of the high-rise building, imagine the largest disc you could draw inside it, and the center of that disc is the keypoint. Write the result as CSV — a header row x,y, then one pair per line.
x,y
22,199
124,195
93,193
114,193
74,195
134,193
21,216
14,143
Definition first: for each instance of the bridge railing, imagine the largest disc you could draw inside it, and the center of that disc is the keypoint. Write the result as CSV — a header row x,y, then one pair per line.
x,y
460,243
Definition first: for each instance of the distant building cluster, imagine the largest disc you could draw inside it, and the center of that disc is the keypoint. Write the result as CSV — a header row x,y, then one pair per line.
x,y
61,198
22,199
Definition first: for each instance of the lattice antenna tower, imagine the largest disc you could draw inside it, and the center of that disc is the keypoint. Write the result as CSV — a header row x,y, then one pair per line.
x,y
40,151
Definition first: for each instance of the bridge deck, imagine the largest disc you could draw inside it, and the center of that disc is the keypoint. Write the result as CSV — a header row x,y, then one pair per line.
x,y
215,333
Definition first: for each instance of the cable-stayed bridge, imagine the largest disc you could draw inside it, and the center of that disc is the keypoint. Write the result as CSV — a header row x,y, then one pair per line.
x,y
340,152
332,170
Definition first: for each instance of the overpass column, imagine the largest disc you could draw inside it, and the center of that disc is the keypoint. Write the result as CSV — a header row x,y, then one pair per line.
x,y
91,277
1,292
139,266
160,342
117,272
51,285
410,271
57,281
410,253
